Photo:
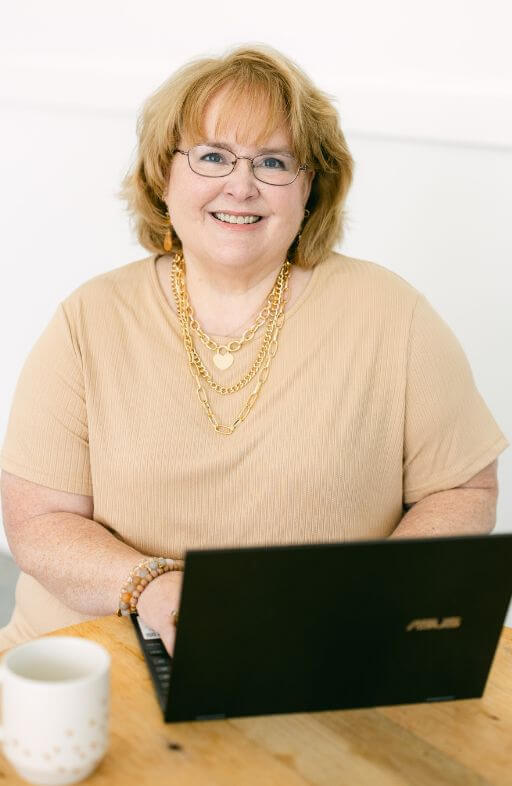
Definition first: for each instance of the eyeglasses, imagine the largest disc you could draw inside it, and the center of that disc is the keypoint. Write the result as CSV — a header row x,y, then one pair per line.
x,y
276,169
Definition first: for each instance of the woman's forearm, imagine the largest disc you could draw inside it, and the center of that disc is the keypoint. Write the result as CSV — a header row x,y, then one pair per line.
x,y
84,565
459,511
77,560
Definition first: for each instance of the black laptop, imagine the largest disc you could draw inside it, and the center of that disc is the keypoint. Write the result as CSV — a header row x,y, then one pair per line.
x,y
332,626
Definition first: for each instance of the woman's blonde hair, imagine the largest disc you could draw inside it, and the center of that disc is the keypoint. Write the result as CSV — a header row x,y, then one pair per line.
x,y
256,77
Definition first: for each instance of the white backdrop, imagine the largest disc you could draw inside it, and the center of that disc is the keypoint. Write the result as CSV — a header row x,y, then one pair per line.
x,y
425,99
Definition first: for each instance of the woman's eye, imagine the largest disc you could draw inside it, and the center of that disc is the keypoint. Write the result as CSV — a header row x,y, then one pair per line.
x,y
273,163
213,158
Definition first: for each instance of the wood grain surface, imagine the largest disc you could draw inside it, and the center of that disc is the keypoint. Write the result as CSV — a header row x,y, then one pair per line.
x,y
465,742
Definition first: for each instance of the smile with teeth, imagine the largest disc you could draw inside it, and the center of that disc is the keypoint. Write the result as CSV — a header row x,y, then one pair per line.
x,y
228,218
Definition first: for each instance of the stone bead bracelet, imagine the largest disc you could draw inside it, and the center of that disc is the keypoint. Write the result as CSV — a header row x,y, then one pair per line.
x,y
142,574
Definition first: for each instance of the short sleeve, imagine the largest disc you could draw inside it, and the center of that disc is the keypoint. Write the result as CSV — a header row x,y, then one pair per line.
x,y
46,440
449,434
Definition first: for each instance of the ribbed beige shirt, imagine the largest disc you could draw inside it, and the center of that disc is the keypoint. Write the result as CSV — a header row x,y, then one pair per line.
x,y
370,403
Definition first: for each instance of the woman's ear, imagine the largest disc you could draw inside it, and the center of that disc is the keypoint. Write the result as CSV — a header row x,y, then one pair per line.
x,y
308,181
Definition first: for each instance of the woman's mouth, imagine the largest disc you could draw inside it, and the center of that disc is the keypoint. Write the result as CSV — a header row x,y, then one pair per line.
x,y
230,218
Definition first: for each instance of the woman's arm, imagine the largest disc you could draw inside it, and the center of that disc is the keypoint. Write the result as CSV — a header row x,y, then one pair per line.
x,y
469,509
54,539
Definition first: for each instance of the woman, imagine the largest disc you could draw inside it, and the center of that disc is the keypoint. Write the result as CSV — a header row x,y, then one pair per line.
x,y
243,384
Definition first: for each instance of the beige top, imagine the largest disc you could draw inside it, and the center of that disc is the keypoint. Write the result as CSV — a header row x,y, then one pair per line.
x,y
370,403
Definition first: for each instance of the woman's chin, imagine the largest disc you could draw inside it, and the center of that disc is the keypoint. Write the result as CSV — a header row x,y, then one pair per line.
x,y
239,257
234,252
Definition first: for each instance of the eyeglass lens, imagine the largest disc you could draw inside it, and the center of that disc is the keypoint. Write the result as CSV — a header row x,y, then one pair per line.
x,y
274,168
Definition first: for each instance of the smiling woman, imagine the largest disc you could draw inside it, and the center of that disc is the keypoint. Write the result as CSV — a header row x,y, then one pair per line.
x,y
236,227
254,98
243,384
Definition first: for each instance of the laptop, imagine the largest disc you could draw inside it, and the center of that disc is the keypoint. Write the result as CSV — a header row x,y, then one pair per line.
x,y
305,628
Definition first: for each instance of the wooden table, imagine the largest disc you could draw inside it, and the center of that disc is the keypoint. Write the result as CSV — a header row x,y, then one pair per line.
x,y
465,742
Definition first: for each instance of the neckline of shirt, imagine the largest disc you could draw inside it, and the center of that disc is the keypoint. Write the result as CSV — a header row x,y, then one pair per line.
x,y
173,318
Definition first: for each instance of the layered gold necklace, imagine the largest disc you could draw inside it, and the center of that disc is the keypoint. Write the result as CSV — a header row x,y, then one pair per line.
x,y
272,314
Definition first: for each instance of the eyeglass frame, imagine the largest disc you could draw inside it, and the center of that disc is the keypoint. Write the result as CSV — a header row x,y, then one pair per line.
x,y
302,167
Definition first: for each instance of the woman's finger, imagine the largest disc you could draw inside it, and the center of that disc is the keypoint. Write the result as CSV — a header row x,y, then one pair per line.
x,y
168,638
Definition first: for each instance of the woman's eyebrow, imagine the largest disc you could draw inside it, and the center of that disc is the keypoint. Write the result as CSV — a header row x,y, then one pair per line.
x,y
226,145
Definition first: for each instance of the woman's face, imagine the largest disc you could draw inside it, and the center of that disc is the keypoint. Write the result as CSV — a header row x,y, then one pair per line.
x,y
192,199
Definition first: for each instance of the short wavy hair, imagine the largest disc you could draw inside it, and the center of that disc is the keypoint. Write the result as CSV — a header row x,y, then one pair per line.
x,y
256,77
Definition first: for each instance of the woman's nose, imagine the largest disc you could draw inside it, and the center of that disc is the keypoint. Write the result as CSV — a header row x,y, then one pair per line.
x,y
241,181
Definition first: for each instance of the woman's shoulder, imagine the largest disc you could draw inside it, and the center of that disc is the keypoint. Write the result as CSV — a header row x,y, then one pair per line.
x,y
365,278
123,283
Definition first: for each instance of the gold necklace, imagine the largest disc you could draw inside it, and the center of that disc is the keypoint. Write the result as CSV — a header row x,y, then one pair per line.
x,y
195,364
184,311
223,357
194,358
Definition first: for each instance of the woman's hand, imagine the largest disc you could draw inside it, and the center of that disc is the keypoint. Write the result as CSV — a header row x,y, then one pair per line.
x,y
159,599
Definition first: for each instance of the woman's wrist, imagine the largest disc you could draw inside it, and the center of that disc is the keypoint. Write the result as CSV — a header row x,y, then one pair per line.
x,y
157,603
140,577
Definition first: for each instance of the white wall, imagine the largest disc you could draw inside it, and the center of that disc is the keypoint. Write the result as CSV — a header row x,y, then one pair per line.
x,y
425,97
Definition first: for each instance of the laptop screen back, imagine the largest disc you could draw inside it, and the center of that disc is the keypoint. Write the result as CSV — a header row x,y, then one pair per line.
x,y
332,626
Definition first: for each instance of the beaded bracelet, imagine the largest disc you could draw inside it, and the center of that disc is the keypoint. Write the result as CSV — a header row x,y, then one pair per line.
x,y
142,574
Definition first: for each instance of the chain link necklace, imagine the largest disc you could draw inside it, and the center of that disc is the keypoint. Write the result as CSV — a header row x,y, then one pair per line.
x,y
180,295
223,357
275,307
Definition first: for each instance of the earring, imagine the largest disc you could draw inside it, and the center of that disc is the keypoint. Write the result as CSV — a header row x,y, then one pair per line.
x,y
168,236
306,214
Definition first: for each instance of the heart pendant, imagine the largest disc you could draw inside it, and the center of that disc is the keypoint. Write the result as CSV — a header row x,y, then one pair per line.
x,y
223,361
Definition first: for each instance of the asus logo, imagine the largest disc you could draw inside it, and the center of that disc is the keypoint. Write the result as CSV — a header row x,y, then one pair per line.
x,y
435,623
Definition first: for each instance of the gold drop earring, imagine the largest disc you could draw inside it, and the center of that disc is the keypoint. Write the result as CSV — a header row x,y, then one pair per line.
x,y
168,235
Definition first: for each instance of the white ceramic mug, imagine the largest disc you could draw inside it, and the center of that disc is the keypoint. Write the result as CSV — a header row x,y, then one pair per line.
x,y
55,701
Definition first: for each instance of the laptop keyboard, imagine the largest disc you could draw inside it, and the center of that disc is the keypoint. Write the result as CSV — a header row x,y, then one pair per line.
x,y
158,660
160,663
